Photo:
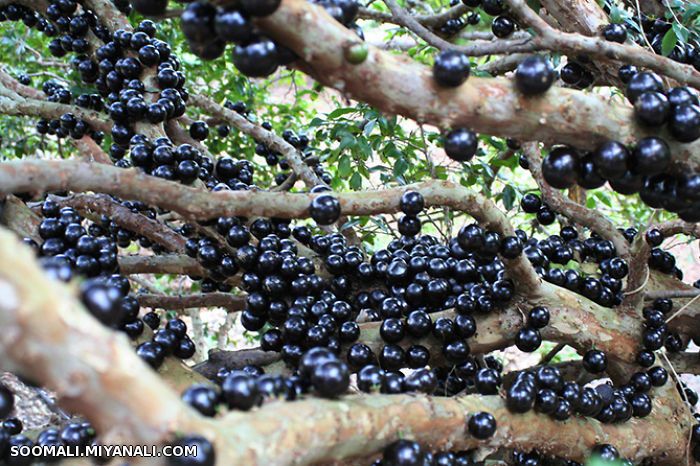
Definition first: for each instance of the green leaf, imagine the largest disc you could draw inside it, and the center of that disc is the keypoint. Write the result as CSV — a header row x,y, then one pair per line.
x,y
356,181
691,12
681,32
508,197
347,141
370,126
340,112
668,43
344,166
400,167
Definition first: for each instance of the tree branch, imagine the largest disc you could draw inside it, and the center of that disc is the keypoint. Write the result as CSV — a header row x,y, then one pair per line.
x,y
175,264
554,39
125,218
359,426
232,360
228,301
23,176
489,105
94,371
11,103
260,134
430,21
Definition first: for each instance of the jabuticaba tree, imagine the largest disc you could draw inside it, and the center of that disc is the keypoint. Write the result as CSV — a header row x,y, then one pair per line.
x,y
380,255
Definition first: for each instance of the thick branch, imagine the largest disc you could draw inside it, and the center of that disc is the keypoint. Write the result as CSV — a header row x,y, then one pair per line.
x,y
426,20
403,18
555,39
49,338
235,360
14,104
171,264
492,106
26,176
359,426
15,215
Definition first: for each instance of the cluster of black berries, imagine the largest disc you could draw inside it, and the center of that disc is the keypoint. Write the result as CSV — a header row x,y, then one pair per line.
x,y
544,390
68,124
301,143
661,260
644,168
453,25
208,29
66,240
172,339
655,29
75,435
502,26
562,249
69,248
320,372
656,333
161,158
16,12
409,453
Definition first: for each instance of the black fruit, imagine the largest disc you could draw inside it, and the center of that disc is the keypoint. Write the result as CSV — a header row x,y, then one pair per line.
x,y
534,75
559,167
650,157
451,68
482,425
461,144
325,209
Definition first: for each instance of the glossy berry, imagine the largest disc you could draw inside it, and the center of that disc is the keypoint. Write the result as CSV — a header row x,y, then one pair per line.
x,y
538,317
531,203
684,122
559,167
240,391
461,144
611,159
615,33
325,209
595,361
651,156
412,203
451,68
482,425
330,379
233,26
528,339
203,398
534,75
403,453
502,27
199,130
256,59
642,82
205,454
652,108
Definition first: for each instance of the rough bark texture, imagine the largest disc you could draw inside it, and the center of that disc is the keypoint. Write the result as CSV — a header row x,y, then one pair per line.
x,y
51,339
26,176
492,106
